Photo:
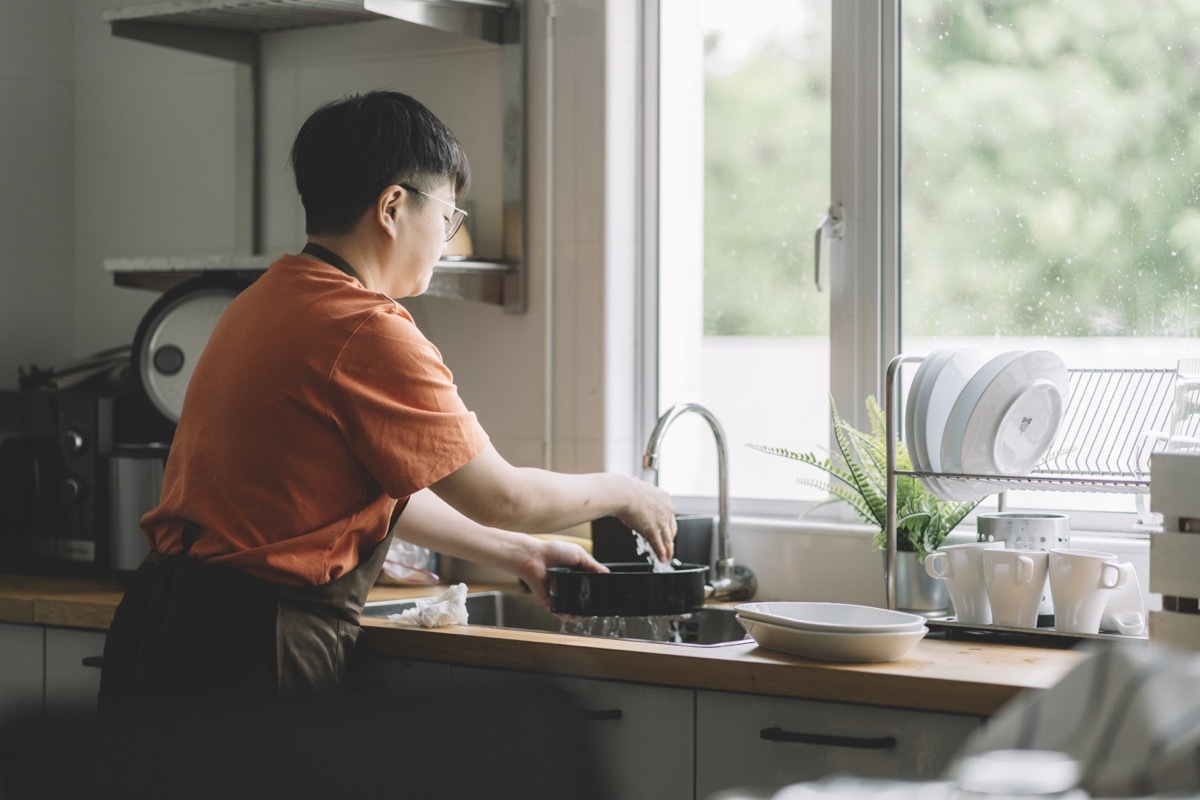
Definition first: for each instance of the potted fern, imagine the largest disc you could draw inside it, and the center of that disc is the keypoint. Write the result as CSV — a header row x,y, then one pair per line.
x,y
858,477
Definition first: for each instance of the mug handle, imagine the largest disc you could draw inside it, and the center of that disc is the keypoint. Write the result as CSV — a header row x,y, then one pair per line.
x,y
1120,580
1025,569
932,568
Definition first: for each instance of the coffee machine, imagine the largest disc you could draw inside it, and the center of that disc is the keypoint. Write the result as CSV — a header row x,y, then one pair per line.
x,y
54,452
65,470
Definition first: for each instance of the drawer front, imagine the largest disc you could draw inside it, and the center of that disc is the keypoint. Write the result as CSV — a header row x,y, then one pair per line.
x,y
642,734
399,676
767,742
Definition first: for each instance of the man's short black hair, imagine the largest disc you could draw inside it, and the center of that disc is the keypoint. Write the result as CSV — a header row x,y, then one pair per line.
x,y
350,150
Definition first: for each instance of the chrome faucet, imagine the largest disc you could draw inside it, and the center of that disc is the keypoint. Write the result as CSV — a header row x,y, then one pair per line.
x,y
731,581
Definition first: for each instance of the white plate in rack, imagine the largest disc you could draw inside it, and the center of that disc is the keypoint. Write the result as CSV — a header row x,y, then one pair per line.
x,y
956,427
935,402
1016,417
916,412
914,422
833,646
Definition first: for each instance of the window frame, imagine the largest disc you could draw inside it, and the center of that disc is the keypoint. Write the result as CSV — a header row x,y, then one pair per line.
x,y
864,305
864,273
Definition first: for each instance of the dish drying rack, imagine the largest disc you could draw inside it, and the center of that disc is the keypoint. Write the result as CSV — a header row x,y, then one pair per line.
x,y
1110,425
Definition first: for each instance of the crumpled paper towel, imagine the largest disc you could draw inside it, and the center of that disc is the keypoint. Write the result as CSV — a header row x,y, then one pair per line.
x,y
448,608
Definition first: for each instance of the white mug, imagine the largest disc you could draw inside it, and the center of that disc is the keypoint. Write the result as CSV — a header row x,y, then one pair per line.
x,y
1021,530
1082,581
1015,580
961,567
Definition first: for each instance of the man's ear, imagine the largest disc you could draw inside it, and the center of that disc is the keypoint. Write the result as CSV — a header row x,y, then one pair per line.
x,y
387,209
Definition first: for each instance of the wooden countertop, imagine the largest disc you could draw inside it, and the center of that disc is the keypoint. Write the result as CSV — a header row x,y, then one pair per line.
x,y
940,675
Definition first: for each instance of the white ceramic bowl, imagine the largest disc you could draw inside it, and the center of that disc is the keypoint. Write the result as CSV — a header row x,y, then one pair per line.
x,y
1016,416
956,428
830,617
846,647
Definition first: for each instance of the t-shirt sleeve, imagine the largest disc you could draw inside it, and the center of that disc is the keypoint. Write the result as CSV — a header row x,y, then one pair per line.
x,y
397,405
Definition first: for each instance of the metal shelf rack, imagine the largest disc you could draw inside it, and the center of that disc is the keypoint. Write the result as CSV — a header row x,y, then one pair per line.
x,y
1103,444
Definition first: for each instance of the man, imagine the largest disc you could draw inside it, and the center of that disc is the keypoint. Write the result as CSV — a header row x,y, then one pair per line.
x,y
319,415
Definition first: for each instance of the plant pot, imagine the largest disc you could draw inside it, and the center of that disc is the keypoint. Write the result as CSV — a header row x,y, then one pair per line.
x,y
916,591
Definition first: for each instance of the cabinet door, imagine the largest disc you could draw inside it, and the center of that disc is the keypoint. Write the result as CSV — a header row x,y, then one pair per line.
x,y
22,668
399,676
71,685
769,742
642,734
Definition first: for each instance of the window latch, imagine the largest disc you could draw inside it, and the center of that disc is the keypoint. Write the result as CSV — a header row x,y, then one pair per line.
x,y
832,225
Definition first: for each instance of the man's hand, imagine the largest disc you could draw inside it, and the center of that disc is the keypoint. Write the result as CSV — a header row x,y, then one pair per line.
x,y
652,515
544,554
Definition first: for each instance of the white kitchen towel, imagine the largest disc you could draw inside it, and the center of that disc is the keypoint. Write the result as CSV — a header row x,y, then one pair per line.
x,y
448,608
1130,715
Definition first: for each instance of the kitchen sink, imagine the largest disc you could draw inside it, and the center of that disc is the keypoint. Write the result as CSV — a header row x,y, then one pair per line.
x,y
708,627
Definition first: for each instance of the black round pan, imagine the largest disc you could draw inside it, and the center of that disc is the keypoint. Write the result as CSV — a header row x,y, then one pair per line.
x,y
627,590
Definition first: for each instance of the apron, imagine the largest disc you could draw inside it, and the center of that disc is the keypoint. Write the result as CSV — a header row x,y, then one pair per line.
x,y
187,630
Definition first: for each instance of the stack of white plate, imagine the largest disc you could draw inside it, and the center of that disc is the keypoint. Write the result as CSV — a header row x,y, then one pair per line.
x,y
973,413
832,631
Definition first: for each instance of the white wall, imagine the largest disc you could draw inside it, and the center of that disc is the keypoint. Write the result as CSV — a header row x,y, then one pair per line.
x,y
36,198
127,149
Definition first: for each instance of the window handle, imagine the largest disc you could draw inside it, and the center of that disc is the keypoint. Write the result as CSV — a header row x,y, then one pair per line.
x,y
778,734
832,225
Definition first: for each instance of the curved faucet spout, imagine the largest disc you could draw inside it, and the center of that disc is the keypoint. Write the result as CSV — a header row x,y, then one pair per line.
x,y
731,581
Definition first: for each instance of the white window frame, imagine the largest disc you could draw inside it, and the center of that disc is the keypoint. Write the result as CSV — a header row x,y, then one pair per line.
x,y
864,267
864,274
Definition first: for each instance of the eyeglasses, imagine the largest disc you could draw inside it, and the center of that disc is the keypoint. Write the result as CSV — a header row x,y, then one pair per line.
x,y
457,215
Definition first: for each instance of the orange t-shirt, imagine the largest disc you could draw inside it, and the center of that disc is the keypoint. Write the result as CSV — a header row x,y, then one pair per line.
x,y
315,406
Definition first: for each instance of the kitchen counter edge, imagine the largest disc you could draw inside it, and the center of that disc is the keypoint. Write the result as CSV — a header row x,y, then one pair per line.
x,y
947,676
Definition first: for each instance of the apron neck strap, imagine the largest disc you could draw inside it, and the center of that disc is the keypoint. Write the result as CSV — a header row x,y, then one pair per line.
x,y
331,258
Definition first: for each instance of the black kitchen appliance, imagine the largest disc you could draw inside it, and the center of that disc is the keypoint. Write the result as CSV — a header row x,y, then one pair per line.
x,y
54,453
57,451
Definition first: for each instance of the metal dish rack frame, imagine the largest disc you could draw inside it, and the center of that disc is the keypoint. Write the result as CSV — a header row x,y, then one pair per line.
x,y
1111,422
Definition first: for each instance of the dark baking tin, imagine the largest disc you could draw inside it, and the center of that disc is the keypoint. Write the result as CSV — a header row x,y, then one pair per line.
x,y
627,590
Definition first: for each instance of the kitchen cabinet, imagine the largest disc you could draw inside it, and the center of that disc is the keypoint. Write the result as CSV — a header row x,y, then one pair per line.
x,y
232,30
661,742
22,669
42,669
395,676
72,669
643,734
751,740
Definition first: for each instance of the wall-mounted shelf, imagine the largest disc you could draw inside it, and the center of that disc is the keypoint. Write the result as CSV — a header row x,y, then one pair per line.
x,y
232,29
477,280
174,22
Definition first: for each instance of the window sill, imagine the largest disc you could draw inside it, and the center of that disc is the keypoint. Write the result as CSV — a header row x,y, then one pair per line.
x,y
834,561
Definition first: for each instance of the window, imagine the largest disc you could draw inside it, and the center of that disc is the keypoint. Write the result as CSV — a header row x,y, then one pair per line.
x,y
1019,175
744,162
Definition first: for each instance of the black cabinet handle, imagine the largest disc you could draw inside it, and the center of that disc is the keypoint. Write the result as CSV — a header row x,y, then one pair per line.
x,y
778,734
602,714
94,661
